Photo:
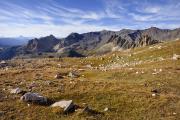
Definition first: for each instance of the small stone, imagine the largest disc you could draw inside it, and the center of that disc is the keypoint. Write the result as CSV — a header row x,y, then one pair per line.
x,y
153,95
73,75
28,105
58,76
48,82
88,66
16,91
159,47
176,57
174,113
106,109
130,68
3,64
59,65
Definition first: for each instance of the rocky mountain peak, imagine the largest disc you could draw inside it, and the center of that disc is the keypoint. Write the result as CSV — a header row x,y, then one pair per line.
x,y
97,42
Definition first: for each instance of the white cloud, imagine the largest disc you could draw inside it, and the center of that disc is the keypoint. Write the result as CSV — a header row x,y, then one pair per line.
x,y
53,18
158,12
140,17
38,30
93,15
151,9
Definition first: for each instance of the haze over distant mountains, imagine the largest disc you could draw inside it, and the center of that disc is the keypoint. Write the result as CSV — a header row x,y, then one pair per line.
x,y
13,41
91,43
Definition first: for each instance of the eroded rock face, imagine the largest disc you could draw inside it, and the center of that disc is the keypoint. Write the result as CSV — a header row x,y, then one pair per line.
x,y
34,98
67,105
44,44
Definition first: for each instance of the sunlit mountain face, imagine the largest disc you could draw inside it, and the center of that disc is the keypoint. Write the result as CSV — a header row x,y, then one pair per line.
x,y
38,18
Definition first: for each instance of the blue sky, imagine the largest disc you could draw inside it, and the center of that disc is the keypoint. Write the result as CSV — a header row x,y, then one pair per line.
x,y
36,18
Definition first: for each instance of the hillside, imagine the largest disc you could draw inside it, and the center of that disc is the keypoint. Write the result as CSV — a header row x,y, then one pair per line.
x,y
134,84
91,43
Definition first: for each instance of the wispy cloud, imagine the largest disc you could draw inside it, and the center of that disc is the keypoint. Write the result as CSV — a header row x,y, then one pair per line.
x,y
51,17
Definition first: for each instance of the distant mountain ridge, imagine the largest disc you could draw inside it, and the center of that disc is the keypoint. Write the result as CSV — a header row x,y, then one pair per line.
x,y
94,42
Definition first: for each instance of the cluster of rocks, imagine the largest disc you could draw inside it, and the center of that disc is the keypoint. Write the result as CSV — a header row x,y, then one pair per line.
x,y
29,96
156,71
68,106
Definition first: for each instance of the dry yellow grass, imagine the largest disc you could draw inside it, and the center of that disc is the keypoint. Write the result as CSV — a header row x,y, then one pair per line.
x,y
125,90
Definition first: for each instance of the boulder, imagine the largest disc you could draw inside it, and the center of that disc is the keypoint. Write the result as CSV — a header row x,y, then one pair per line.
x,y
67,105
34,97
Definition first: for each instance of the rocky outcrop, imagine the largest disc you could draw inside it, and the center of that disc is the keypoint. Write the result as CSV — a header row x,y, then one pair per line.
x,y
45,44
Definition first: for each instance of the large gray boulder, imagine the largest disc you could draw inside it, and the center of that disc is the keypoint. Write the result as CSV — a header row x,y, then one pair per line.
x,y
34,97
67,105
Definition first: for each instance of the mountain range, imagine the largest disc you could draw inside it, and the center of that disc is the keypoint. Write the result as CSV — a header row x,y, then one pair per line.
x,y
91,43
